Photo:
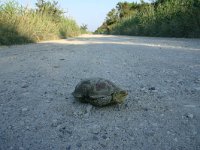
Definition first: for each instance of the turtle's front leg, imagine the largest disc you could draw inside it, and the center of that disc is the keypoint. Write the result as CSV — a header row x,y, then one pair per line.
x,y
119,106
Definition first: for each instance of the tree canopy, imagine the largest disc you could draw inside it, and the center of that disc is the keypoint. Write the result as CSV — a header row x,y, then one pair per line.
x,y
49,8
176,18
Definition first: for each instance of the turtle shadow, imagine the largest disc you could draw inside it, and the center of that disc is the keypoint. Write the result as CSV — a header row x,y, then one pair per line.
x,y
109,107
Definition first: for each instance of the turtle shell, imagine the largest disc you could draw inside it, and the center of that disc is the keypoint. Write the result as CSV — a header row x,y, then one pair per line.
x,y
95,88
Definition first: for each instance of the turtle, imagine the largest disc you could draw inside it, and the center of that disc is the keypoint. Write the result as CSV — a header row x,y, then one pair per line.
x,y
99,92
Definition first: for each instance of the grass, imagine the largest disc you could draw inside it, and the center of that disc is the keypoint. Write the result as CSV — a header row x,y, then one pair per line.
x,y
20,25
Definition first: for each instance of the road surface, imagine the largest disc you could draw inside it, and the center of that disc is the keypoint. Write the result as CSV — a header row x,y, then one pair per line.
x,y
161,75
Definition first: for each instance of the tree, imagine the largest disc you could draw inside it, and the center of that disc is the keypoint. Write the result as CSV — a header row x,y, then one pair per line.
x,y
84,27
49,8
124,9
111,17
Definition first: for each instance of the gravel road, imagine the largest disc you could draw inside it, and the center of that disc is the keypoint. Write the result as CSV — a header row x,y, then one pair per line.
x,y
161,75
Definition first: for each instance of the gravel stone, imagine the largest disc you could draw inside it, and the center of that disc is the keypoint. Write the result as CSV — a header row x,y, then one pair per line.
x,y
24,109
25,86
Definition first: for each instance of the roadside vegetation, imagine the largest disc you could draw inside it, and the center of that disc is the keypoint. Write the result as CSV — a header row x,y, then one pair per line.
x,y
169,18
84,29
47,21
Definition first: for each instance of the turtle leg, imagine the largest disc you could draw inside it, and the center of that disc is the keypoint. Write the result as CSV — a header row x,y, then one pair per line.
x,y
101,101
118,107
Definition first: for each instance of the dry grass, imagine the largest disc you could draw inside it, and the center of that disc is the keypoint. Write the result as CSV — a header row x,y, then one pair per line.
x,y
21,25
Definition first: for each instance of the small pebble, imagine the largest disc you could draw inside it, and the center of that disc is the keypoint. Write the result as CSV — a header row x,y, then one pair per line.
x,y
152,88
95,138
145,109
48,101
26,94
69,132
188,115
24,109
56,66
104,137
62,130
197,88
54,123
190,106
79,145
95,129
174,72
25,86
68,147
21,148
103,145
11,148
175,139
155,124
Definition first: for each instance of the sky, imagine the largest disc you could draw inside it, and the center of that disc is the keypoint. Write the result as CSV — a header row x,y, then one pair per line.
x,y
89,12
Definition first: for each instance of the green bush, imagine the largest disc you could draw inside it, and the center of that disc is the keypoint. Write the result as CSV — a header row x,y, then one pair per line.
x,y
171,18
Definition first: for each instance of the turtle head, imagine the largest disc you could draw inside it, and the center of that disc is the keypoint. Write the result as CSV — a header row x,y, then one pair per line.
x,y
119,96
